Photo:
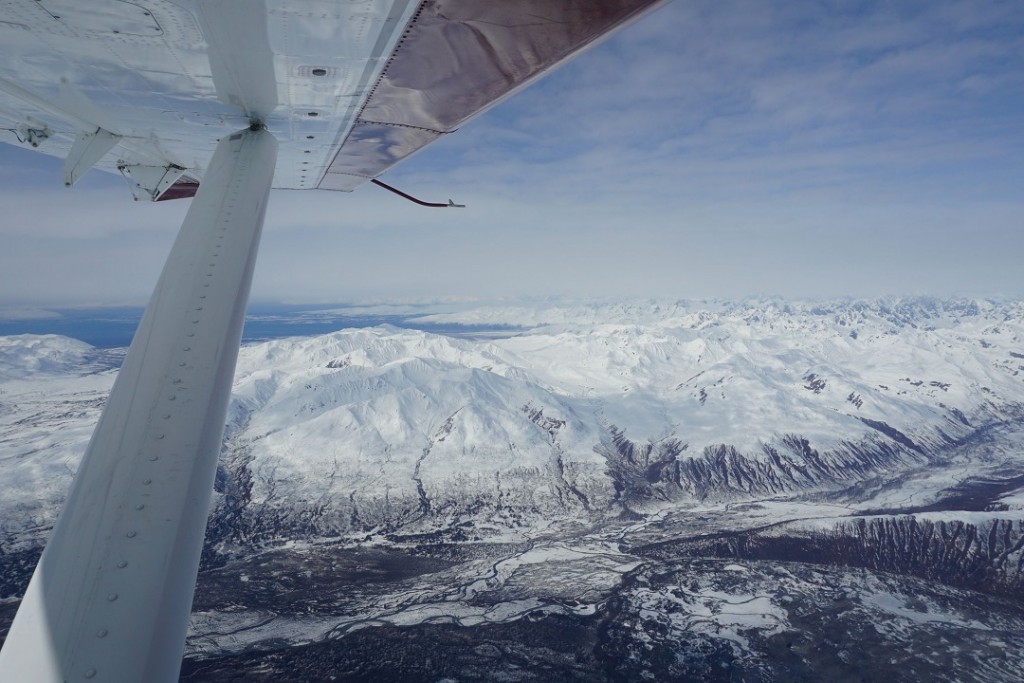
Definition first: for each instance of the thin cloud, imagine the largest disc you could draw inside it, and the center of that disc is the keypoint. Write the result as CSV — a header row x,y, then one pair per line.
x,y
712,149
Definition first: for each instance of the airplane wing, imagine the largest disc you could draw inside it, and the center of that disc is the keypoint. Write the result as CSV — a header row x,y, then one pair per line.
x,y
220,99
348,89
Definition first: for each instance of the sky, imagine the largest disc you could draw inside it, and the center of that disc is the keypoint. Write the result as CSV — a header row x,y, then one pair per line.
x,y
711,150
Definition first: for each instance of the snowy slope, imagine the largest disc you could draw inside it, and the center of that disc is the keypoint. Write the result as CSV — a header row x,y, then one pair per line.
x,y
29,355
385,424
592,411
696,486
52,390
389,429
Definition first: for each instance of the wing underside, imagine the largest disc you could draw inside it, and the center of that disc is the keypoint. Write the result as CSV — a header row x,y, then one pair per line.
x,y
348,89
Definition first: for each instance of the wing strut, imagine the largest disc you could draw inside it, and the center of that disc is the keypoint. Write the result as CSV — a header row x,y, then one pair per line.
x,y
111,595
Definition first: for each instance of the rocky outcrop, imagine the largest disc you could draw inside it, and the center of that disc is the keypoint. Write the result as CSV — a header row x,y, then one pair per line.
x,y
645,472
987,556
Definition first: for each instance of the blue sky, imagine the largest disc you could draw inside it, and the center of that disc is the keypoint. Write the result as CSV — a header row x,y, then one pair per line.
x,y
713,149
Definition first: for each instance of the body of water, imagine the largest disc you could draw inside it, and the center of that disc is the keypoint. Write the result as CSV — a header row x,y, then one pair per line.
x,y
108,328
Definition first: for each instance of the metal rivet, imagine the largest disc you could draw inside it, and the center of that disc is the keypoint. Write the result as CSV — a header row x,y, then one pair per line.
x,y
159,436
122,564
102,633
147,482
167,416
188,348
130,534
181,364
90,673
171,398
112,597
154,458
140,506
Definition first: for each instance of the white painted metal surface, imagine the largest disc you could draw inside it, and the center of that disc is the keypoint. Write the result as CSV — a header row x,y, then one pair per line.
x,y
87,150
149,87
111,596
147,69
149,182
349,88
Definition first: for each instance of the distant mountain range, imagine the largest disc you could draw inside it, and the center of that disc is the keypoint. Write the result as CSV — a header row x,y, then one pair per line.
x,y
826,422
591,411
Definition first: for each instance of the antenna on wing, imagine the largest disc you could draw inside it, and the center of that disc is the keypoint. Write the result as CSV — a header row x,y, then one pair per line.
x,y
439,205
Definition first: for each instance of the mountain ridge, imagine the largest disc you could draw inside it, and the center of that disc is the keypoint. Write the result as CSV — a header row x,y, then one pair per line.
x,y
408,481
587,418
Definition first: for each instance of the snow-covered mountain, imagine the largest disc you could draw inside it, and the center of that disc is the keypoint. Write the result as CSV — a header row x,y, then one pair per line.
x,y
385,430
886,435
52,390
34,356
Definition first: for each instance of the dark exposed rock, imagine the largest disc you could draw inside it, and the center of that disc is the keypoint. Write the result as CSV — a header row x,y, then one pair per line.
x,y
987,558
644,472
814,383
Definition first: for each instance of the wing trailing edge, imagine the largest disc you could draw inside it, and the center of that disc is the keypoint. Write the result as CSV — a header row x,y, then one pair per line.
x,y
458,58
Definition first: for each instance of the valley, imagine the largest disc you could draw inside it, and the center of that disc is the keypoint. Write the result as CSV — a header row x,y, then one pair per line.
x,y
741,491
